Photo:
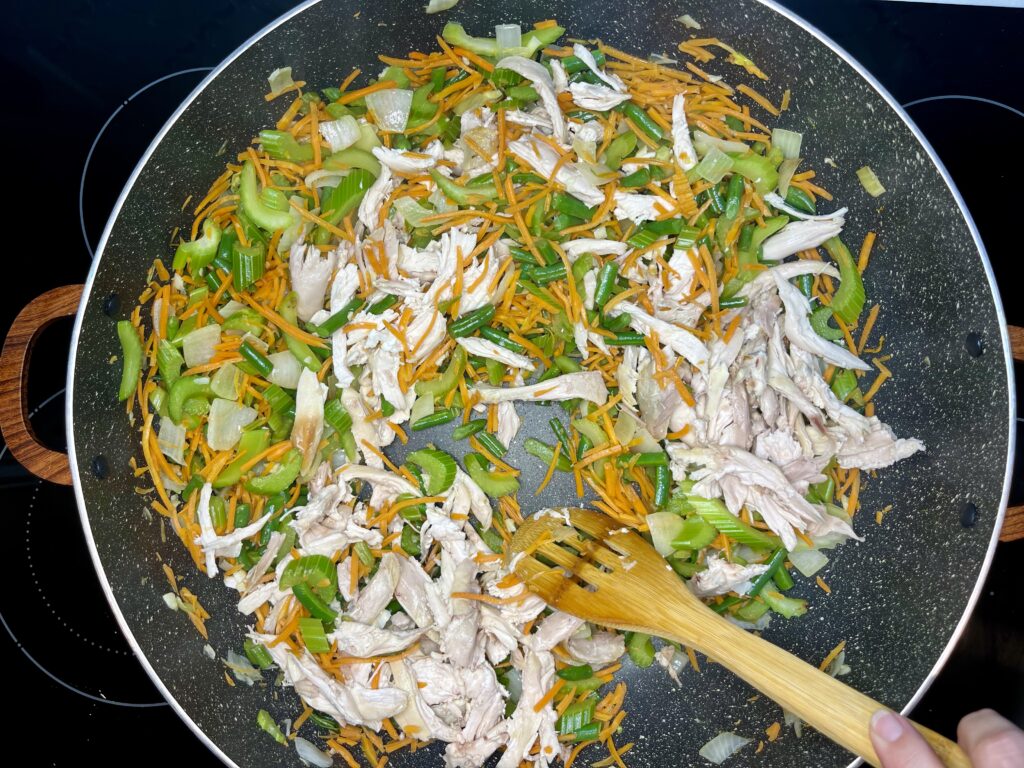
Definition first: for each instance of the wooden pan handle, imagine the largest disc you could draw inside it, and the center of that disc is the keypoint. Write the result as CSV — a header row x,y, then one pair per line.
x,y
1013,525
17,431
836,710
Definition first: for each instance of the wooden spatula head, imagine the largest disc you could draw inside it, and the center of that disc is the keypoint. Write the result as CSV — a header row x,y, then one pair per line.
x,y
597,570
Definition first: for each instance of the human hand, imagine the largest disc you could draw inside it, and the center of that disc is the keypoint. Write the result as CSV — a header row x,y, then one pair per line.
x,y
989,740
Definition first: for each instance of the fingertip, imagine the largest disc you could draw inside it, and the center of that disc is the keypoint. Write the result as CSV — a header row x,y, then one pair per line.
x,y
898,743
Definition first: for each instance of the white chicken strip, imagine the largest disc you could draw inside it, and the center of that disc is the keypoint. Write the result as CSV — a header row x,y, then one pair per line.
x,y
613,81
544,159
639,208
596,97
799,331
799,236
502,637
877,448
229,545
459,639
308,426
765,281
577,247
417,594
366,640
370,205
465,497
418,719
401,161
348,704
682,143
679,340
310,274
377,593
488,349
599,649
741,478
553,629
362,430
722,576
588,385
384,362
542,83
508,422
387,486
534,119
527,724
778,203
343,290
627,376
421,263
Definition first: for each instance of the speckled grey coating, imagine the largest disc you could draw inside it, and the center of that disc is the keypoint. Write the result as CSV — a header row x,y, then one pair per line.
x,y
896,598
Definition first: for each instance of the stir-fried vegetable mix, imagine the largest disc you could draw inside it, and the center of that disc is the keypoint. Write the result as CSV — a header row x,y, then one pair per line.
x,y
500,224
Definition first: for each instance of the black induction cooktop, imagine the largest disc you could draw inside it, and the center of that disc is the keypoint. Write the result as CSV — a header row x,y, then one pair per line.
x,y
89,82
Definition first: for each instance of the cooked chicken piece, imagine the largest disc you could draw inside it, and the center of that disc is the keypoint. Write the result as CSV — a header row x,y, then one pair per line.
x,y
365,640
362,430
799,331
421,263
545,87
639,208
558,76
417,719
588,385
576,247
544,160
799,236
488,349
741,478
778,203
553,629
722,576
533,119
501,637
348,704
679,340
377,593
310,275
527,725
877,448
682,144
465,497
596,97
229,545
308,427
386,485
418,596
508,422
402,161
613,81
370,206
459,639
599,649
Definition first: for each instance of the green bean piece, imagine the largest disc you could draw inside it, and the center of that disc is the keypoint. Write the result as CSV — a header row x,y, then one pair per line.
x,y
463,431
435,419
546,454
605,283
256,359
662,485
492,444
641,119
631,339
471,321
501,339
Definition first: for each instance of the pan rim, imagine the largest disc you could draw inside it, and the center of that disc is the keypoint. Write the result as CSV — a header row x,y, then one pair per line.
x,y
771,4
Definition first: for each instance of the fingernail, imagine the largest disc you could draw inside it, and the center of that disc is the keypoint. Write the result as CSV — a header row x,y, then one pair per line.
x,y
887,725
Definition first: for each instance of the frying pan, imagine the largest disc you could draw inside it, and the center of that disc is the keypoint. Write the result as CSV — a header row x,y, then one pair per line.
x,y
900,599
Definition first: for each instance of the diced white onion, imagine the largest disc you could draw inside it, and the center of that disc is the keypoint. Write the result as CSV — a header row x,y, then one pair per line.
x,y
280,79
390,108
311,754
227,418
198,347
808,561
714,166
325,177
171,600
508,36
286,371
171,439
790,719
412,212
440,202
787,141
226,381
870,181
625,428
688,21
786,170
722,747
242,668
436,6
662,59
341,133
703,143
424,406
231,308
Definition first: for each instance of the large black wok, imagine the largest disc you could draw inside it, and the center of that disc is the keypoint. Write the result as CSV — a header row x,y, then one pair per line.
x,y
900,599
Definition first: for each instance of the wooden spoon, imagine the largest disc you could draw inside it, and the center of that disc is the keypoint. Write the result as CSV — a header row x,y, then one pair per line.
x,y
582,570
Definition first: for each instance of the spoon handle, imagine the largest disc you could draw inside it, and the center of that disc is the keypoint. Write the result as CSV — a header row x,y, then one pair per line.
x,y
833,708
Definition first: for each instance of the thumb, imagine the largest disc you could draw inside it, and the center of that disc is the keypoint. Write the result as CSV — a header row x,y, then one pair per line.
x,y
898,743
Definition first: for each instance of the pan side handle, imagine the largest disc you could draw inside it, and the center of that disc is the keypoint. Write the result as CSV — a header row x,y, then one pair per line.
x,y
17,430
1013,525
